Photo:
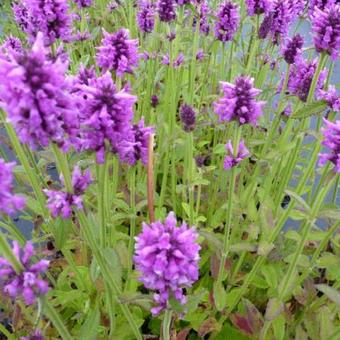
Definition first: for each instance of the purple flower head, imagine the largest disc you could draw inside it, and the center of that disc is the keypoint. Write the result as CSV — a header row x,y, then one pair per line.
x,y
11,45
146,16
183,2
266,26
202,18
238,102
233,159
227,21
118,52
200,55
166,10
166,59
331,97
179,60
83,3
28,283
171,36
301,76
320,4
326,28
9,202
60,203
106,115
331,134
135,146
296,7
47,16
188,117
292,49
167,258
154,101
34,93
258,6
36,335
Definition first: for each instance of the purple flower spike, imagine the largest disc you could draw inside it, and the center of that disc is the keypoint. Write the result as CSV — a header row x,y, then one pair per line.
x,y
238,102
188,117
60,203
146,16
27,283
232,159
34,93
11,45
331,97
301,76
331,140
166,10
326,28
183,2
47,16
320,4
36,335
135,146
83,3
227,22
167,258
258,6
293,49
202,17
118,52
9,202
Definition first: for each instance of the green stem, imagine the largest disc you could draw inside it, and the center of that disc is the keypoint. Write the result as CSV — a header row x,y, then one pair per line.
x,y
63,167
8,253
166,326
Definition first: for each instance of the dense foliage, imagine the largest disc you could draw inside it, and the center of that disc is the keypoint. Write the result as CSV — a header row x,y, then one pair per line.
x,y
169,169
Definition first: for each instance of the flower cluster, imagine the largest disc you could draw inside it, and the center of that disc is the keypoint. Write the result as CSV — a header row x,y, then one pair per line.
x,y
118,52
331,140
28,283
167,257
233,159
227,21
188,117
238,102
166,10
34,93
293,49
11,45
258,6
320,4
47,16
326,28
146,16
83,3
331,97
301,76
9,202
202,17
60,203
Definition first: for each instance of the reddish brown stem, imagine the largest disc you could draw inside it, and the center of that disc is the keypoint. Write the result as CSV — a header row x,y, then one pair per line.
x,y
150,179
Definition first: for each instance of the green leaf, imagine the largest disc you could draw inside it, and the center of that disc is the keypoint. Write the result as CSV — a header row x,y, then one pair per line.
x,y
220,296
270,274
299,199
219,149
89,329
229,332
310,109
330,292
274,309
279,327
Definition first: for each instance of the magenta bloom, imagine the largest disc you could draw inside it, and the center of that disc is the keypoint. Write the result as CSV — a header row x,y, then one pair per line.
x,y
11,45
36,335
166,10
34,93
292,49
301,76
296,7
146,16
232,159
135,146
238,102
9,202
227,21
320,4
47,16
60,203
106,115
331,97
183,2
83,3
27,283
167,258
118,52
326,28
258,6
331,140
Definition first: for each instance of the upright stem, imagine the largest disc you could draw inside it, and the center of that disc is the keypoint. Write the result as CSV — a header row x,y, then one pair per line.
x,y
166,325
150,184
